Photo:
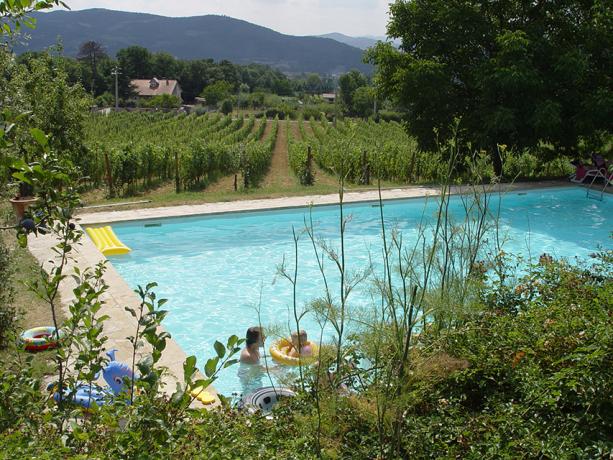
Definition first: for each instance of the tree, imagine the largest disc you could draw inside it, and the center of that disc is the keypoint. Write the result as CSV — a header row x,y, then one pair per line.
x,y
226,107
363,101
14,14
348,84
216,92
515,72
136,62
53,105
92,52
164,65
313,84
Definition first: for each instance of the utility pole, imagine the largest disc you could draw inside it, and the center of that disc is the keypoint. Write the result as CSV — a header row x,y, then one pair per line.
x,y
116,72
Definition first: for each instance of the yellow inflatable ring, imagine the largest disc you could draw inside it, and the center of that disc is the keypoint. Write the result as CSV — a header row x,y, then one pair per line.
x,y
279,351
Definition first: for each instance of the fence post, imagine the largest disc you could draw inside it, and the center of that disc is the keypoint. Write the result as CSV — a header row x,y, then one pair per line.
x,y
365,169
177,181
109,176
309,179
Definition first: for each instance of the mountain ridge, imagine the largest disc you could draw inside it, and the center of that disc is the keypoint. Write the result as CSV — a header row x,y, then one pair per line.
x,y
194,37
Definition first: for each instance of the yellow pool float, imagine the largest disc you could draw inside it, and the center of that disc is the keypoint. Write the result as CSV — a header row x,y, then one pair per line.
x,y
203,396
106,241
281,348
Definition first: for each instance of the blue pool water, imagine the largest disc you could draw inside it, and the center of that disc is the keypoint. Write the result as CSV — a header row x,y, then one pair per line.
x,y
215,269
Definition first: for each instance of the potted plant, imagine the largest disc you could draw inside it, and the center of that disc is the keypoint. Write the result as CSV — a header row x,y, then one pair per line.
x,y
24,198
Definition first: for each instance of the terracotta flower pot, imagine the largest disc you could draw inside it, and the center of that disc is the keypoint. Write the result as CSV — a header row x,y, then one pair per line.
x,y
20,204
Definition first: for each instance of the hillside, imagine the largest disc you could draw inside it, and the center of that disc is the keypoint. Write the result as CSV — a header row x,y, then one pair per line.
x,y
216,37
358,42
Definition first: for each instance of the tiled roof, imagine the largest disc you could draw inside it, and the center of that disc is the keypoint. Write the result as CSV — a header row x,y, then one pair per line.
x,y
154,87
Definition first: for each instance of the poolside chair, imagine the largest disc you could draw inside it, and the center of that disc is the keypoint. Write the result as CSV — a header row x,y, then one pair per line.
x,y
599,169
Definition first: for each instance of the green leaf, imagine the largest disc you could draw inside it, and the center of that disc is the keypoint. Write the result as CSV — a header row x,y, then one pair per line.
x,y
211,367
189,366
20,176
220,349
178,395
151,286
232,341
39,136
230,362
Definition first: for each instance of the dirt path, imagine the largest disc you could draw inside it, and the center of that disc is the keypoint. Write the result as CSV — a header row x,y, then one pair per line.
x,y
279,175
321,177
267,130
295,131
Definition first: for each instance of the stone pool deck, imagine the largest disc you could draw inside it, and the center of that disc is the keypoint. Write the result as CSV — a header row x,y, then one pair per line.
x,y
119,295
105,217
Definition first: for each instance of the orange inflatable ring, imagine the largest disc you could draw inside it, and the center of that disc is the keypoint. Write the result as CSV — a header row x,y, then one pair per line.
x,y
281,348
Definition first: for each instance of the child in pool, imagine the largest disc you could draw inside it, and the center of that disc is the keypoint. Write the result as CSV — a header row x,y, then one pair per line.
x,y
300,345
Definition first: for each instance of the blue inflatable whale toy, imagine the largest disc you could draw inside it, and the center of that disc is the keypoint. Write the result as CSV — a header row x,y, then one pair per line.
x,y
86,395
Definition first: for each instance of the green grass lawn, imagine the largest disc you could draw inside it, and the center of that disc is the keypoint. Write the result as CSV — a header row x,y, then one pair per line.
x,y
222,190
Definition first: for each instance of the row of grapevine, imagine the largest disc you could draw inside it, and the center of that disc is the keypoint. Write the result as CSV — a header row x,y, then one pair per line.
x,y
133,149
300,156
359,150
256,159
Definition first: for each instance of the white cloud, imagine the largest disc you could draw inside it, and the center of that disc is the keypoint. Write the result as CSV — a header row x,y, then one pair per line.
x,y
292,17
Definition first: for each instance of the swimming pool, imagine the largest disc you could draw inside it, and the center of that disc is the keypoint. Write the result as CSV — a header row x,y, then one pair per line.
x,y
215,269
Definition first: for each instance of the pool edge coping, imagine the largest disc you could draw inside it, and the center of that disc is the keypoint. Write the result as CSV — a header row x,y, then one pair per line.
x,y
293,202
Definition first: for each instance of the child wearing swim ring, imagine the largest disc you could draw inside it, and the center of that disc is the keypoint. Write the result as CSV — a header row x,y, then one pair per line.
x,y
301,347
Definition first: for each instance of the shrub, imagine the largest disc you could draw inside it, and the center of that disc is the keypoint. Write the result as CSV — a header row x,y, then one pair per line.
x,y
7,310
387,115
105,100
164,101
226,107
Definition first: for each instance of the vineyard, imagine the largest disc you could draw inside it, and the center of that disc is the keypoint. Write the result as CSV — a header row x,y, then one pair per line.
x,y
130,152
361,150
127,151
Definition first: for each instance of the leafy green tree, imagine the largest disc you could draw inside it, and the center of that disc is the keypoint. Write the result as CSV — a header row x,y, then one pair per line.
x,y
515,72
363,101
91,53
14,14
135,62
50,102
313,84
216,92
164,65
348,84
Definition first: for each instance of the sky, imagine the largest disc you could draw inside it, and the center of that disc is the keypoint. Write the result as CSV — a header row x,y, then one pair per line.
x,y
292,17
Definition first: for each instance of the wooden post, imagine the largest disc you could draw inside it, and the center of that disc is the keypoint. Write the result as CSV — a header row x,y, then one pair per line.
x,y
235,182
177,179
365,168
109,175
309,180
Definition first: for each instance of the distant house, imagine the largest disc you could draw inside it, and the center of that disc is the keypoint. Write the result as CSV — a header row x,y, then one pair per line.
x,y
156,87
329,97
